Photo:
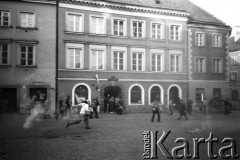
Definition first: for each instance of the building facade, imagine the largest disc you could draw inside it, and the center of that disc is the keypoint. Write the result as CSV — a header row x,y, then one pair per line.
x,y
27,53
234,58
138,53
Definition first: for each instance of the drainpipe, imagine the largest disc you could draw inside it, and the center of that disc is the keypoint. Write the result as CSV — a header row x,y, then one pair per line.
x,y
56,60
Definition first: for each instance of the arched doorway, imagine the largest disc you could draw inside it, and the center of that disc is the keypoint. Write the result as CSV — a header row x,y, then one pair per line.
x,y
111,91
174,94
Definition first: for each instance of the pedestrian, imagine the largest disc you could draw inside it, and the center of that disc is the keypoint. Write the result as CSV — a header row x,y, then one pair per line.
x,y
189,106
83,115
156,109
61,106
119,107
111,104
182,110
227,106
171,107
94,107
68,104
31,103
204,105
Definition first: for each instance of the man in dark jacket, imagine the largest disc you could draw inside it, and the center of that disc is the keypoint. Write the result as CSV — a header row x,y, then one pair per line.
x,y
182,110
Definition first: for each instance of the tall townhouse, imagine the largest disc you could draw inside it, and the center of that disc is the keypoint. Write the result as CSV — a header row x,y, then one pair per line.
x,y
27,52
234,72
208,56
136,50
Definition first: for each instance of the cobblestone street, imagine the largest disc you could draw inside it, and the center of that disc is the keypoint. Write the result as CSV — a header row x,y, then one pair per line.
x,y
111,137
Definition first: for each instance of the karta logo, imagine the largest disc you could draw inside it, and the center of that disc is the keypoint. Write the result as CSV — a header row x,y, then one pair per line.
x,y
152,145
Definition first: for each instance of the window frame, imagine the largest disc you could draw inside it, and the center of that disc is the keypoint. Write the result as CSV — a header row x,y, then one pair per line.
x,y
8,53
119,49
99,48
81,22
141,51
213,65
203,65
175,52
91,22
214,44
34,19
157,52
197,39
161,92
143,28
179,35
9,18
162,36
142,95
232,75
34,54
74,46
124,26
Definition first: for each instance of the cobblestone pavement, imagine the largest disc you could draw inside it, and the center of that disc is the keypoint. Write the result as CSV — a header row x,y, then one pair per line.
x,y
111,137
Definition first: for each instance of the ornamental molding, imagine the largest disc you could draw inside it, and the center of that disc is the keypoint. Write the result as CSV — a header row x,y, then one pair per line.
x,y
129,8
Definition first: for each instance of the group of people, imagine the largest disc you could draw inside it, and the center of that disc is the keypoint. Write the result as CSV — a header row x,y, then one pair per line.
x,y
180,105
113,104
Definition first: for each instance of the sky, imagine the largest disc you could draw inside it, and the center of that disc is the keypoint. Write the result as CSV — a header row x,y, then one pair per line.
x,y
226,10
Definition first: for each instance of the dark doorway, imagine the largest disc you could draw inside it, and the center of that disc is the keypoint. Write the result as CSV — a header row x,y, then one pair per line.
x,y
8,100
173,94
114,91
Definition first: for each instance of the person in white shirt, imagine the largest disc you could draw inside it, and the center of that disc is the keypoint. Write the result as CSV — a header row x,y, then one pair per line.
x,y
83,114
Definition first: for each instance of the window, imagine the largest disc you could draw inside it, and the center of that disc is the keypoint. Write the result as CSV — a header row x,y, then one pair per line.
x,y
175,32
4,18
27,55
97,25
216,40
97,57
27,20
234,60
200,64
74,22
136,94
217,93
119,58
4,54
81,93
74,56
217,65
138,60
175,61
119,27
199,39
233,76
157,30
200,94
235,95
138,28
157,60
40,93
155,94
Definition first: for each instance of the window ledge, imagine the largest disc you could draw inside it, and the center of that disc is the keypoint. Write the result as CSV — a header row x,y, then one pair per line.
x,y
139,38
175,41
72,32
100,35
27,28
5,66
153,39
21,66
116,36
6,27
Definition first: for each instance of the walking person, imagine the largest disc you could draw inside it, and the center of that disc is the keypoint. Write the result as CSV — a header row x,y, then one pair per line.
x,y
171,107
189,106
61,106
94,107
204,104
156,109
182,110
68,104
119,107
83,115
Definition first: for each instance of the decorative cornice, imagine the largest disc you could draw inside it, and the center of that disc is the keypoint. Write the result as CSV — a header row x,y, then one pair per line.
x,y
128,7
